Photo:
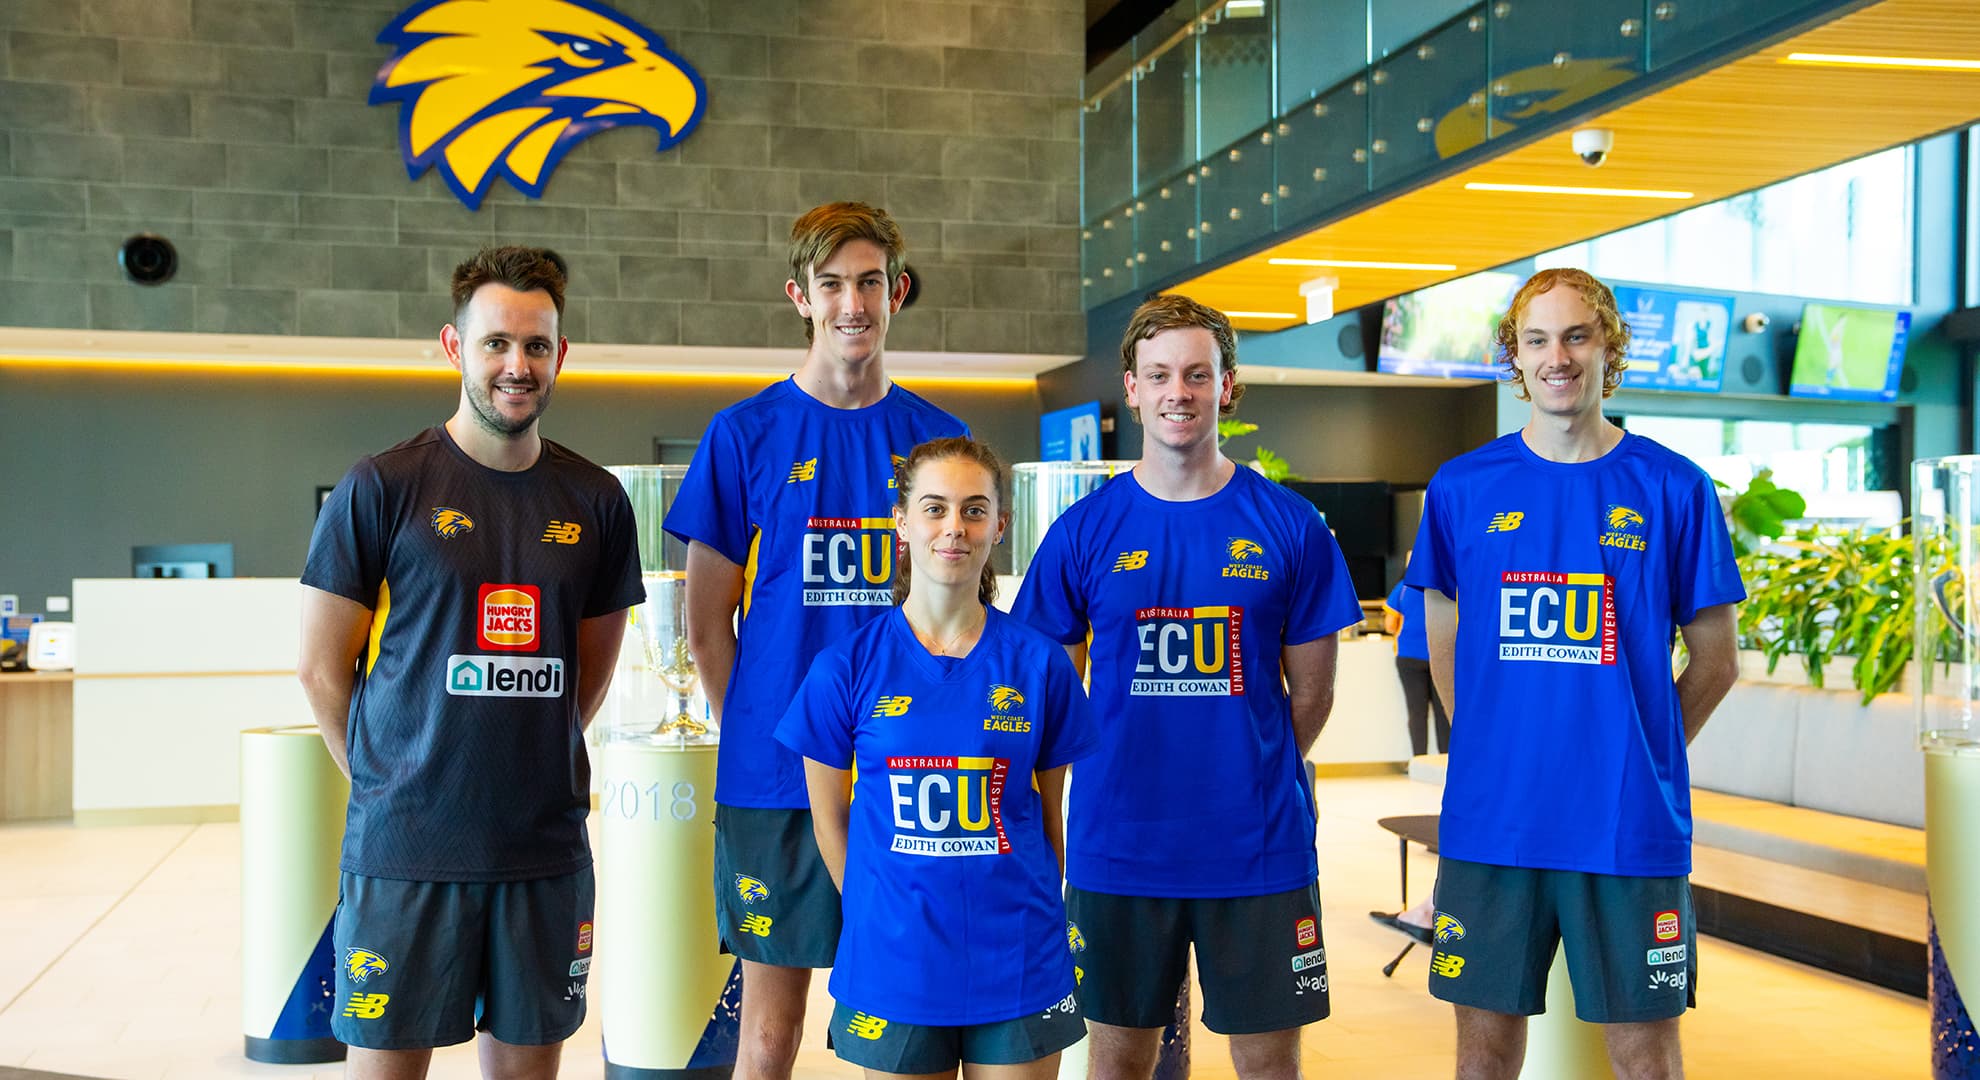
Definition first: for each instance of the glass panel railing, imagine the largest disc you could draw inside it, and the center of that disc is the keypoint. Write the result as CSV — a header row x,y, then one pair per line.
x,y
1165,226
1106,251
1321,44
1426,102
1323,152
1549,57
1681,29
1237,195
1106,138
1234,73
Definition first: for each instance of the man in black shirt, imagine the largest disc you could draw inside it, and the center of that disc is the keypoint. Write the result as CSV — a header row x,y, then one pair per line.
x,y
464,604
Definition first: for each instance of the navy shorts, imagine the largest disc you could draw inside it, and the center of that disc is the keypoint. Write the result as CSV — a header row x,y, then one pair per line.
x,y
427,963
874,1042
774,900
1632,948
1260,959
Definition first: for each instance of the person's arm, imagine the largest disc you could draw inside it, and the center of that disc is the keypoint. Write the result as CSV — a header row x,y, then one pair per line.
x,y
1309,669
1052,800
334,630
598,659
1712,640
1440,627
1391,621
714,591
831,812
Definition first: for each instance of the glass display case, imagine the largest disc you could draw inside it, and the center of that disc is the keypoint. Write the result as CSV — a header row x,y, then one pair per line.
x,y
656,694
1041,491
1945,538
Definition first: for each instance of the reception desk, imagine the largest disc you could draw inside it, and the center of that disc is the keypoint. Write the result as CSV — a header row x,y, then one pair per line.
x,y
168,674
1367,724
35,744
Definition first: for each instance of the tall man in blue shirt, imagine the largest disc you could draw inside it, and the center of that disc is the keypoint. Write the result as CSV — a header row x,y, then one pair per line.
x,y
1578,552
787,511
1211,597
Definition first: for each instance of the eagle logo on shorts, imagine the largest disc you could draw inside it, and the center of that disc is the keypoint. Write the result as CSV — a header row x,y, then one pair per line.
x,y
362,964
1241,550
1075,940
750,889
449,522
1448,929
492,89
1004,698
1622,517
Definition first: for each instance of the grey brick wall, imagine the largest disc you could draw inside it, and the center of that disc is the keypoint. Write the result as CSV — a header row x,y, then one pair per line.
x,y
239,129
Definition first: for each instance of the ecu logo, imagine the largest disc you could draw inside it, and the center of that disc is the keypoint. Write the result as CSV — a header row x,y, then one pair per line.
x,y
362,964
449,522
492,89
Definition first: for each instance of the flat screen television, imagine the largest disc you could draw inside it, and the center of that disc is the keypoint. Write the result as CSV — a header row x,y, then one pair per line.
x,y
182,561
1677,341
1070,434
1849,353
1446,330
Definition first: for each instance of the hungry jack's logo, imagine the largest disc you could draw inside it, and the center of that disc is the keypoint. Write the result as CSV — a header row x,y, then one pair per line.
x,y
948,805
492,89
509,617
1188,652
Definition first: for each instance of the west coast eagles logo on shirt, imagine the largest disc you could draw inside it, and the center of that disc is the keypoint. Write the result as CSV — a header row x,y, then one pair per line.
x,y
1188,652
1622,527
449,522
1246,557
1004,703
948,805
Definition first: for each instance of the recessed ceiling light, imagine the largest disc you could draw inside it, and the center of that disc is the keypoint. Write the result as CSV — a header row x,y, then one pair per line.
x,y
1360,264
1554,189
1261,314
1918,63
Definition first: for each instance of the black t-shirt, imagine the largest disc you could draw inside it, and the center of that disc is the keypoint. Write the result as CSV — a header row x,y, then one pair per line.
x,y
467,757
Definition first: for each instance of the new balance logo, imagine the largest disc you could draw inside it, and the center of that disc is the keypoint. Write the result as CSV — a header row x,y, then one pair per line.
x,y
1505,522
367,1006
896,705
756,924
866,1027
802,471
562,532
1130,560
1450,967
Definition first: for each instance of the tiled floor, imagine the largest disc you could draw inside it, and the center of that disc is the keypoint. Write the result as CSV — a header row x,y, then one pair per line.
x,y
119,957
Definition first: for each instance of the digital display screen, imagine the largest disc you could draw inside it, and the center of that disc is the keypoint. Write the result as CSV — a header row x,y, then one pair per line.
x,y
1447,330
1849,353
1070,434
1677,341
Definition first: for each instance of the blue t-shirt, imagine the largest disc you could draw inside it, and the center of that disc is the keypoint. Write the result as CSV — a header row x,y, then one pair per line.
x,y
801,496
952,907
1567,744
1198,789
1410,640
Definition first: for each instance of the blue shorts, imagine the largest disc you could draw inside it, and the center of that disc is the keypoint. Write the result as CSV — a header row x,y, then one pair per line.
x,y
1632,945
426,963
774,900
890,1046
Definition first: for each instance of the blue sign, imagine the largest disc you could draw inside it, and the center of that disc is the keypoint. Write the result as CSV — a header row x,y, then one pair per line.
x,y
1677,341
1070,434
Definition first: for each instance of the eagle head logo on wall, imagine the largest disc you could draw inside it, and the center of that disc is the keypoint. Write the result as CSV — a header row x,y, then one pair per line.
x,y
492,89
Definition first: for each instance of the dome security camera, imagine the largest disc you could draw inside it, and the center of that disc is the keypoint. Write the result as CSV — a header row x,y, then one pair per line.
x,y
1592,145
148,259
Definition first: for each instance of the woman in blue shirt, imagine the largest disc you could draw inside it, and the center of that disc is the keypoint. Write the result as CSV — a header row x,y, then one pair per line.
x,y
936,740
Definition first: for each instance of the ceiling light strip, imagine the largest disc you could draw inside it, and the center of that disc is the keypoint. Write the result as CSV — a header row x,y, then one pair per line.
x,y
1919,63
1359,264
1261,315
1555,189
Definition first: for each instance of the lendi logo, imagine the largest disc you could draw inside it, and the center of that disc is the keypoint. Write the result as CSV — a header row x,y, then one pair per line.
x,y
504,676
505,88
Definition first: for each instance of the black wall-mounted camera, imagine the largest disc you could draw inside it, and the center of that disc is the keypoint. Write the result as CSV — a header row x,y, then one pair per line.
x,y
148,259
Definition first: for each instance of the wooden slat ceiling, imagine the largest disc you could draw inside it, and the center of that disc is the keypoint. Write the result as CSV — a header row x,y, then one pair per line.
x,y
1741,126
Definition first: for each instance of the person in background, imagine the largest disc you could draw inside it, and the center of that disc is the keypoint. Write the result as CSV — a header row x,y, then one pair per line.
x,y
958,722
481,574
790,548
